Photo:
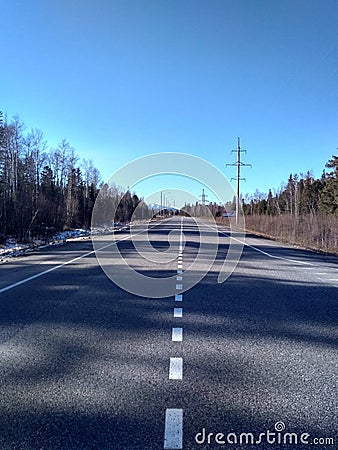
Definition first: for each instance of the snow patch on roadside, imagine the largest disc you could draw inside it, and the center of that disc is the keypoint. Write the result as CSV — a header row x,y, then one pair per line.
x,y
12,248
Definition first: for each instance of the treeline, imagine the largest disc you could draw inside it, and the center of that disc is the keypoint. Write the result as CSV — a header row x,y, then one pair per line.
x,y
301,195
42,190
45,190
198,210
113,205
304,211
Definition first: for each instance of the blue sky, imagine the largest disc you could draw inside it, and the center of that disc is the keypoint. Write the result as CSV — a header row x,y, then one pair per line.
x,y
123,79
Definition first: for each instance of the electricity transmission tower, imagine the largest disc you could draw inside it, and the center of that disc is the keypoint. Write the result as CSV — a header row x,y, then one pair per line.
x,y
203,196
239,164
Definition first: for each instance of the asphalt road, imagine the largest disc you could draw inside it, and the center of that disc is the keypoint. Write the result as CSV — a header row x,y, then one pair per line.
x,y
85,364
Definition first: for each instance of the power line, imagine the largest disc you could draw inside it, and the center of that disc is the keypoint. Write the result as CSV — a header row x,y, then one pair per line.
x,y
239,164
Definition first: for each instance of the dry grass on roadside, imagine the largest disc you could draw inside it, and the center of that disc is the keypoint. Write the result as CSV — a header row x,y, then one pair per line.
x,y
309,231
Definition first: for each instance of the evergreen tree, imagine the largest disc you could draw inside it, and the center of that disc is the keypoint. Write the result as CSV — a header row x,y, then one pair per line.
x,y
328,200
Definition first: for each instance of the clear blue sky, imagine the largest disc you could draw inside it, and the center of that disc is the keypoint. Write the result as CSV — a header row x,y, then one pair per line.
x,y
122,79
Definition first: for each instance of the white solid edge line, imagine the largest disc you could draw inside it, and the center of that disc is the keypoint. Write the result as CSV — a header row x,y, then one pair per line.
x,y
37,275
177,334
173,429
176,369
262,251
178,312
40,274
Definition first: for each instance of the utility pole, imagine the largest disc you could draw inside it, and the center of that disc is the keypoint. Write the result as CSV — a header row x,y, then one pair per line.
x,y
239,164
204,196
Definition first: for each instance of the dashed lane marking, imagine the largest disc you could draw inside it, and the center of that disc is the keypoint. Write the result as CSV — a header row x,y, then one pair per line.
x,y
178,312
173,430
177,334
176,369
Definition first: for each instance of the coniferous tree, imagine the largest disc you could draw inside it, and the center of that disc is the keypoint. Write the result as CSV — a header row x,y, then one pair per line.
x,y
328,200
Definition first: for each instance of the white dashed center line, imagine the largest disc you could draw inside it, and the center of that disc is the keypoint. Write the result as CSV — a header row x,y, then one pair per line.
x,y
177,334
176,369
178,312
173,432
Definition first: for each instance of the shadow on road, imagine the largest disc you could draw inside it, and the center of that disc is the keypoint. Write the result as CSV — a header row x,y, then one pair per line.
x,y
84,364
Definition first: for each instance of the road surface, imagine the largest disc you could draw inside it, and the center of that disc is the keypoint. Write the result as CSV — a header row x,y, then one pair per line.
x,y
86,365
